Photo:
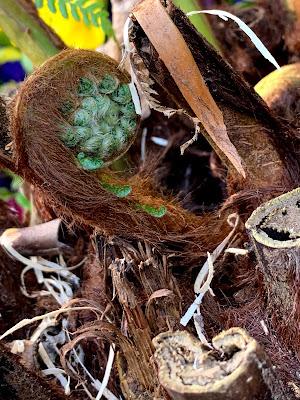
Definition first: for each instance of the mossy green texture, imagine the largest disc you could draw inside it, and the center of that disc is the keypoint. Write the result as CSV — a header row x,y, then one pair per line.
x,y
102,125
157,212
89,163
118,190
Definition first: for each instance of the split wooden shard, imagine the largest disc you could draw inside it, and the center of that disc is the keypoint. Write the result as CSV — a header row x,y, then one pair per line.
x,y
236,369
174,52
261,140
274,229
38,239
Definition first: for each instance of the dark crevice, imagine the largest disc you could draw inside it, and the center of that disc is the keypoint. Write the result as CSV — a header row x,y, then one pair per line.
x,y
277,235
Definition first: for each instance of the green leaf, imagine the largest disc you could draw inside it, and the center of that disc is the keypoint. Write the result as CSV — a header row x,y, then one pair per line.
x,y
51,6
94,18
22,201
74,12
26,64
90,11
93,10
39,3
63,8
106,23
17,181
5,194
85,16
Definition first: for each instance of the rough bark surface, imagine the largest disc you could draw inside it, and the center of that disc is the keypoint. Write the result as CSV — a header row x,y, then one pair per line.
x,y
18,383
236,369
274,229
259,137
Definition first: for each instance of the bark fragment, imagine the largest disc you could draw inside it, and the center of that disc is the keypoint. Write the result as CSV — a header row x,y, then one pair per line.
x,y
19,383
274,229
38,239
236,369
260,139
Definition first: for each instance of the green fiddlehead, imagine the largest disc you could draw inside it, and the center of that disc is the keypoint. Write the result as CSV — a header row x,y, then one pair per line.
x,y
103,125
101,128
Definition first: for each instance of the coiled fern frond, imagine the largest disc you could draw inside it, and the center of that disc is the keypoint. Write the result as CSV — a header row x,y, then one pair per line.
x,y
91,12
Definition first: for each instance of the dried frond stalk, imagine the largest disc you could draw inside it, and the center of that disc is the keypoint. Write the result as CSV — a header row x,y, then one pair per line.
x,y
174,52
264,144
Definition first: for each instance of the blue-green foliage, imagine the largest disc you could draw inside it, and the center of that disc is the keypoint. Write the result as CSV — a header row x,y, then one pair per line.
x,y
92,12
101,126
89,163
101,129
118,190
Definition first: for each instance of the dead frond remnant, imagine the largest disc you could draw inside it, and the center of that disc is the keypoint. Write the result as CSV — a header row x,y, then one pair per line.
x,y
36,240
251,127
178,59
275,233
189,370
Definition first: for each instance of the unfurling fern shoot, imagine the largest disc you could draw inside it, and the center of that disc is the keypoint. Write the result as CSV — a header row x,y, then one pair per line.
x,y
82,101
79,107
69,121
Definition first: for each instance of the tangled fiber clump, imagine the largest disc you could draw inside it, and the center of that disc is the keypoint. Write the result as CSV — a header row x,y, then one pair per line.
x,y
61,101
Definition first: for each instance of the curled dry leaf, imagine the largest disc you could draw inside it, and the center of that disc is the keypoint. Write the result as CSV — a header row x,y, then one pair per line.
x,y
174,52
159,293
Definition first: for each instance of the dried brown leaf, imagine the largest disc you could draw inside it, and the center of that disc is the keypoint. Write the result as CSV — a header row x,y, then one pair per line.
x,y
159,293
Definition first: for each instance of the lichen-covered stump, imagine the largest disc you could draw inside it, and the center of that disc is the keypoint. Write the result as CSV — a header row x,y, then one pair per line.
x,y
274,229
236,369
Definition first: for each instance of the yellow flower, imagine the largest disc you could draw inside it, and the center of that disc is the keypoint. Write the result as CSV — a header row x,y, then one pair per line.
x,y
73,33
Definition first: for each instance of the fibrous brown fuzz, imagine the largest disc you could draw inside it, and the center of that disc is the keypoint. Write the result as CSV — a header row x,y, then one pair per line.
x,y
43,159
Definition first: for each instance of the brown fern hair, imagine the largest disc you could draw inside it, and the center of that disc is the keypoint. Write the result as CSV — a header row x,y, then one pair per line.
x,y
43,159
